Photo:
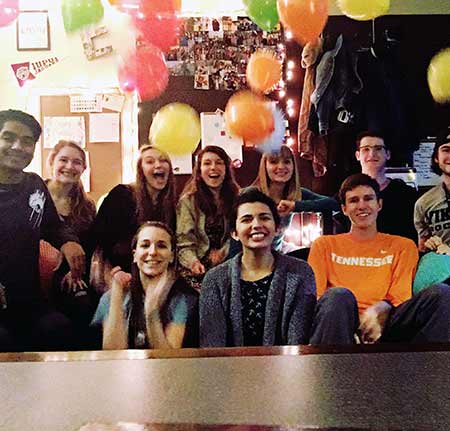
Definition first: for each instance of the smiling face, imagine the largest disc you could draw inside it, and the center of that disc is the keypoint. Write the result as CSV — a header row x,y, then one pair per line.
x,y
362,207
279,168
212,170
153,253
156,169
372,155
16,146
443,158
255,226
68,165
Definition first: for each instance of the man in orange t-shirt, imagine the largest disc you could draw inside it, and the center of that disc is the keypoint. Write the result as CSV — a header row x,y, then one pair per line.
x,y
364,280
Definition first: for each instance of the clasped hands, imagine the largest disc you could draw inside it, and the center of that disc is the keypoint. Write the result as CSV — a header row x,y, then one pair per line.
x,y
373,321
435,243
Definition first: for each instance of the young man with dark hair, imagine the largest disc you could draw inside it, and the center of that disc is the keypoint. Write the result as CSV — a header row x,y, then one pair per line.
x,y
432,210
364,280
28,214
396,215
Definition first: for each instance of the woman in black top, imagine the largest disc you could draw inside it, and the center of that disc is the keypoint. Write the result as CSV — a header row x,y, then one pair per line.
x,y
151,197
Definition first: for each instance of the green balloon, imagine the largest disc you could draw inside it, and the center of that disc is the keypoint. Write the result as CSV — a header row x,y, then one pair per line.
x,y
80,13
263,13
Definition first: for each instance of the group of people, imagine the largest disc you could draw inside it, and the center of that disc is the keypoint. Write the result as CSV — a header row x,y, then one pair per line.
x,y
209,269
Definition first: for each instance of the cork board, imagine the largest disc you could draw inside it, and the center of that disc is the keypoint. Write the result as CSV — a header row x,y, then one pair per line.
x,y
105,157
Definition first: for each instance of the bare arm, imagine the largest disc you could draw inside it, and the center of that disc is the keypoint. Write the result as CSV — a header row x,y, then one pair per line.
x,y
159,337
115,328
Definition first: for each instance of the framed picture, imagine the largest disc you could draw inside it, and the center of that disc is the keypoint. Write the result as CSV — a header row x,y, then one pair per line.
x,y
33,31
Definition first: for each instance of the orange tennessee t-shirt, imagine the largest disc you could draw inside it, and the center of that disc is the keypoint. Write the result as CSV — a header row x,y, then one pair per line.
x,y
374,270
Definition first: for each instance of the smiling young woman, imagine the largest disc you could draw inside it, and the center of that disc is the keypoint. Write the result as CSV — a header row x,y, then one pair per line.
x,y
127,206
260,297
151,307
203,213
278,177
67,162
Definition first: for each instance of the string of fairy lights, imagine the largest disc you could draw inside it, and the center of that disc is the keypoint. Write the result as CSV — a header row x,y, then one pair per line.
x,y
290,105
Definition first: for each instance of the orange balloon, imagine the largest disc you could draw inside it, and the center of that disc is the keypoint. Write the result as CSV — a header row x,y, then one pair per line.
x,y
177,5
249,116
263,71
304,18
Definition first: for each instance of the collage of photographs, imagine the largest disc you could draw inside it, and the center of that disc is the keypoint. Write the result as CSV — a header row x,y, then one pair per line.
x,y
216,51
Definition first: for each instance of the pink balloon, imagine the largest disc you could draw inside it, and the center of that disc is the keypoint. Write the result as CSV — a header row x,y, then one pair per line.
x,y
144,71
9,9
158,23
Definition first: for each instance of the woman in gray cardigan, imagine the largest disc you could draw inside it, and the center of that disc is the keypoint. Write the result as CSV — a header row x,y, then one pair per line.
x,y
260,297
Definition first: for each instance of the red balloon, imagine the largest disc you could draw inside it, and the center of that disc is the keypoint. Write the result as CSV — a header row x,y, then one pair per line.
x,y
9,9
144,71
158,23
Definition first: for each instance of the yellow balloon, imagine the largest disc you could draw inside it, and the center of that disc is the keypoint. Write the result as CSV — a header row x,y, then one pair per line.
x,y
175,129
439,76
364,10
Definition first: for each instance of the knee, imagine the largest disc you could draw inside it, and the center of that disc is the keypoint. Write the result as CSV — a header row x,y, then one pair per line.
x,y
339,295
438,292
337,299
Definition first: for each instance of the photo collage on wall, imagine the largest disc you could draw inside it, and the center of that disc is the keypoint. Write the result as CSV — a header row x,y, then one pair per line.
x,y
216,51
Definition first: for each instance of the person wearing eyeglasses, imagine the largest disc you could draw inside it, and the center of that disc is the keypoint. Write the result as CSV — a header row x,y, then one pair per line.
x,y
397,214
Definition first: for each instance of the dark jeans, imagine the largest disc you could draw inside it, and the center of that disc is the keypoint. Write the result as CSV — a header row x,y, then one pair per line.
x,y
34,326
425,318
78,307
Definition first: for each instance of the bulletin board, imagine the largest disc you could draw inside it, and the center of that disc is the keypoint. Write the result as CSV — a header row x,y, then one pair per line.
x,y
105,158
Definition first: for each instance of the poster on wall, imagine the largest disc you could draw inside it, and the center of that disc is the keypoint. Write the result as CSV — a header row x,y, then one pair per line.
x,y
104,127
67,128
422,159
214,133
215,51
33,31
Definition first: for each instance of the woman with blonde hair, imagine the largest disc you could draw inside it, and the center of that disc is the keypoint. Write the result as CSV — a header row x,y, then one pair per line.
x,y
67,162
278,178
150,198
203,213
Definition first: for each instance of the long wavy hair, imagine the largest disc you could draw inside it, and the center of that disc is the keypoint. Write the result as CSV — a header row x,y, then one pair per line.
x,y
292,190
82,208
137,318
203,196
164,209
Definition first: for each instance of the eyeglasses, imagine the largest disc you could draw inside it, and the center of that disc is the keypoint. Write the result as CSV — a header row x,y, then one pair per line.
x,y
375,148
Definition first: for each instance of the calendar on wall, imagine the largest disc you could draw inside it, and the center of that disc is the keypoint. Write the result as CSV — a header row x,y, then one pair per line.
x,y
86,103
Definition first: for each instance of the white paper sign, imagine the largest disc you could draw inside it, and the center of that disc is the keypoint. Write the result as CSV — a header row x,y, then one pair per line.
x,y
67,128
104,127
422,162
86,175
215,133
114,102
181,164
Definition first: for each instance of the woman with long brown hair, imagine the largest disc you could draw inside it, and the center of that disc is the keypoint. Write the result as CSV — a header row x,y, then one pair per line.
x,y
278,178
127,206
151,307
203,213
